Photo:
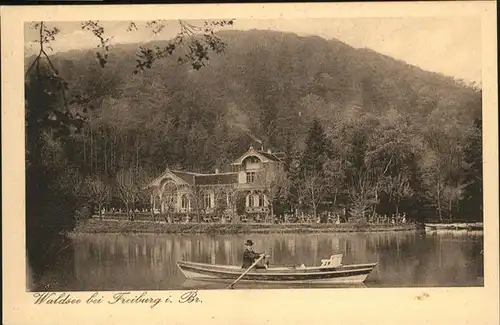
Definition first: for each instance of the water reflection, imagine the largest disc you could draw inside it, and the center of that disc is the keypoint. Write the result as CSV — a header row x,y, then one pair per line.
x,y
147,261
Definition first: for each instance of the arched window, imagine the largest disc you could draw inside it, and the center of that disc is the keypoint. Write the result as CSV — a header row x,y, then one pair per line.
x,y
261,200
251,163
251,200
184,202
207,200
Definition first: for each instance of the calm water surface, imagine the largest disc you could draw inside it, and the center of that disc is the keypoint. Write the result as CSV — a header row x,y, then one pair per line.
x,y
147,261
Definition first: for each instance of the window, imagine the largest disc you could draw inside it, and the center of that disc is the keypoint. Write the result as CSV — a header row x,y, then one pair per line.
x,y
261,200
207,201
251,200
250,177
184,202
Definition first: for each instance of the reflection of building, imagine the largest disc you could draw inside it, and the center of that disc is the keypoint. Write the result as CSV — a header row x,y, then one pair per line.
x,y
249,180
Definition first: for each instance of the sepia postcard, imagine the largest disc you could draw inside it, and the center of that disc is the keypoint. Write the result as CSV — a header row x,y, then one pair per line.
x,y
302,163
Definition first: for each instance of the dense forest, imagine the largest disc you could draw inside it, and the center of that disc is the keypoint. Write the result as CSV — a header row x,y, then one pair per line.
x,y
362,128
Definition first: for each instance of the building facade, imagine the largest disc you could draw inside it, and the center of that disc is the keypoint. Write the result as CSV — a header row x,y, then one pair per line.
x,y
246,187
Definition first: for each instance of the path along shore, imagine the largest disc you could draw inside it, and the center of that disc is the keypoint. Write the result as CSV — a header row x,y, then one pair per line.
x,y
96,226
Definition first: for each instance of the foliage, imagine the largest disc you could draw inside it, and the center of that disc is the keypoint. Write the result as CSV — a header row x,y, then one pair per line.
x,y
98,192
130,188
317,150
313,189
276,183
472,203
333,109
362,190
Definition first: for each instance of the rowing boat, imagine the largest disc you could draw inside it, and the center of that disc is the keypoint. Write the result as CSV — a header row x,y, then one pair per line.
x,y
454,226
330,271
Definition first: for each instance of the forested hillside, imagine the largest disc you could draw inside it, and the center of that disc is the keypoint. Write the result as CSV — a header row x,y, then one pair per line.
x,y
267,85
412,134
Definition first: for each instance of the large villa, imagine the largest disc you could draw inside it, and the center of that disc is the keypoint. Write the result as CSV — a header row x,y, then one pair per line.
x,y
186,192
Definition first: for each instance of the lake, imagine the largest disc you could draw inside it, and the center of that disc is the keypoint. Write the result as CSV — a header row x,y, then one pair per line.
x,y
147,261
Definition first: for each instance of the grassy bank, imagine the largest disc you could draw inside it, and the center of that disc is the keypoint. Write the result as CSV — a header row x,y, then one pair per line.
x,y
121,226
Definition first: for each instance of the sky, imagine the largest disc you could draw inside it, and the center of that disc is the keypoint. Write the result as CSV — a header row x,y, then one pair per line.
x,y
451,46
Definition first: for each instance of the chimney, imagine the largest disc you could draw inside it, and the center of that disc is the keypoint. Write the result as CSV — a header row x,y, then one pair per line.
x,y
216,170
269,150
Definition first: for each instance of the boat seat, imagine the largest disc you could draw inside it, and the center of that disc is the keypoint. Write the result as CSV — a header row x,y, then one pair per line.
x,y
335,260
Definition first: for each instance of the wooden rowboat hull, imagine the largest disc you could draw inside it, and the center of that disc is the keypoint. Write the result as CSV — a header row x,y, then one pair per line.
x,y
454,226
314,275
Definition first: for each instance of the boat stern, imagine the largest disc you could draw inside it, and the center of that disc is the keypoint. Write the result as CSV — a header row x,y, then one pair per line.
x,y
186,273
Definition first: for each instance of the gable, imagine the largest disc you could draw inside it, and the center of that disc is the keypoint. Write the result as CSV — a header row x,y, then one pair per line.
x,y
251,152
173,175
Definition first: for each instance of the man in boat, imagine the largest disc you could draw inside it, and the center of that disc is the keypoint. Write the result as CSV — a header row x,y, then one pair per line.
x,y
249,257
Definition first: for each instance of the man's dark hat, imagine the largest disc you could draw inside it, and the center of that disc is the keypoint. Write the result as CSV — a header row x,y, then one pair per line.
x,y
249,243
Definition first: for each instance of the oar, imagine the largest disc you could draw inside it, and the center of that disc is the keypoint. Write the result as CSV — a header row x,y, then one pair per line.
x,y
254,263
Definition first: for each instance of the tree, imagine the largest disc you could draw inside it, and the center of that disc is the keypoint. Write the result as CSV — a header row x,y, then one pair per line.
x,y
452,194
473,190
433,180
276,185
232,200
130,185
335,176
192,43
313,190
196,200
397,188
223,201
316,150
51,201
98,192
362,193
57,117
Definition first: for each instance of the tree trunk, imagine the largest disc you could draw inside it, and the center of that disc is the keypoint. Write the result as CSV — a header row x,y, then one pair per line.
x,y
105,154
439,201
99,206
129,216
84,136
124,153
152,203
96,150
272,213
137,152
450,209
91,148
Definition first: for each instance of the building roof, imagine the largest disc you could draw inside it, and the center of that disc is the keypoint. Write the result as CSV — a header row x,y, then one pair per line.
x,y
264,156
279,155
185,176
198,178
214,179
190,178
272,156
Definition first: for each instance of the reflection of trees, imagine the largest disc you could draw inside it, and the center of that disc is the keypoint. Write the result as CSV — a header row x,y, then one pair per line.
x,y
335,244
291,246
120,262
227,249
63,261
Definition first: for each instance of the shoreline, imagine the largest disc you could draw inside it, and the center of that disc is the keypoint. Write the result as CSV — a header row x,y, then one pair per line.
x,y
95,226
